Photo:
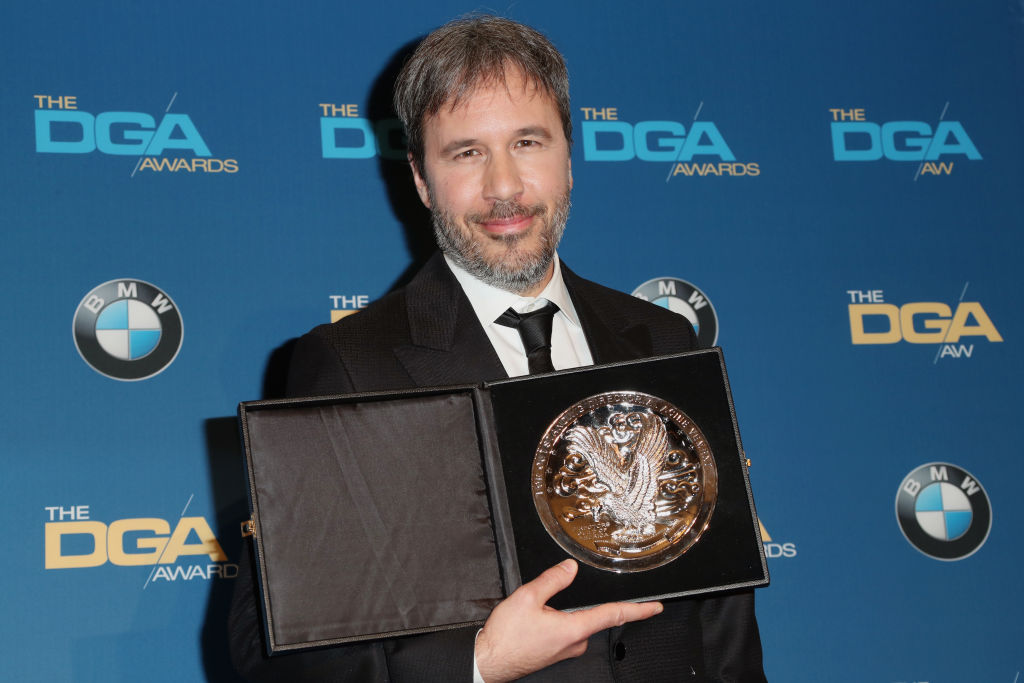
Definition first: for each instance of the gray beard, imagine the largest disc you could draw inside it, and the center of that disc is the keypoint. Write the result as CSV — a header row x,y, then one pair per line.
x,y
518,271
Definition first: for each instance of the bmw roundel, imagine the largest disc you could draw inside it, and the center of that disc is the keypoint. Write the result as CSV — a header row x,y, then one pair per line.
x,y
127,329
684,298
943,511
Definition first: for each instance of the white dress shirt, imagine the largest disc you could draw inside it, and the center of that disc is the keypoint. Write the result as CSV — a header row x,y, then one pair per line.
x,y
568,344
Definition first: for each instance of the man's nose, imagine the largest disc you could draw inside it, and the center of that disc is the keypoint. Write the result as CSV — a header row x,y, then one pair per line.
x,y
503,181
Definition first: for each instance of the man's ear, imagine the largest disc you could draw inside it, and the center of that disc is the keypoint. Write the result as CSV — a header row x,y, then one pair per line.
x,y
421,183
570,173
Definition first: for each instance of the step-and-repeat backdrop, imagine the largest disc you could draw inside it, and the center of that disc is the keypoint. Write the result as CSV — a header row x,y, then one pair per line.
x,y
831,192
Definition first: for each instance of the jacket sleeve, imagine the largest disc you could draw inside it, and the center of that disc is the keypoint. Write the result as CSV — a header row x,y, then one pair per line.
x,y
732,643
316,368
355,662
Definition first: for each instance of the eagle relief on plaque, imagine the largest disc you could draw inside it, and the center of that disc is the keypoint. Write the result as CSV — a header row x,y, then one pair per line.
x,y
624,481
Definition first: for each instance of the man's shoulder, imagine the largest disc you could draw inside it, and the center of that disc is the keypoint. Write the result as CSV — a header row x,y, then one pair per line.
x,y
382,319
351,354
626,308
390,319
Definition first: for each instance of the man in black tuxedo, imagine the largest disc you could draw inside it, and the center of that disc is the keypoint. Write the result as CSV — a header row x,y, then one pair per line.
x,y
485,105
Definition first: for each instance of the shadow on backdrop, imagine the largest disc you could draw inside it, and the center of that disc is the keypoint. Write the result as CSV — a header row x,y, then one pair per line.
x,y
223,443
230,498
396,174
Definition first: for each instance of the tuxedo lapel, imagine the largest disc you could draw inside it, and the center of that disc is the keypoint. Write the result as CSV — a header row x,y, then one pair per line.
x,y
611,335
448,344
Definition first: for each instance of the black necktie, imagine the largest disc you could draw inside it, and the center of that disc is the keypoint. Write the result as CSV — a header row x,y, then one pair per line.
x,y
535,331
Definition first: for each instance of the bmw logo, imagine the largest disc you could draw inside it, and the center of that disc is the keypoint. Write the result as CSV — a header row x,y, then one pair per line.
x,y
943,511
127,329
679,296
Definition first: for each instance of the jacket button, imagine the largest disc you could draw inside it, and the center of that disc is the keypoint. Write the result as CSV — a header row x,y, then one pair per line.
x,y
620,651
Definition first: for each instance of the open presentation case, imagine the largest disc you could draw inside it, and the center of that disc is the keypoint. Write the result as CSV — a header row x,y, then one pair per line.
x,y
394,513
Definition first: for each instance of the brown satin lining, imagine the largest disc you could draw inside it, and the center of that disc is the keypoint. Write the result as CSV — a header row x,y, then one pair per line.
x,y
373,517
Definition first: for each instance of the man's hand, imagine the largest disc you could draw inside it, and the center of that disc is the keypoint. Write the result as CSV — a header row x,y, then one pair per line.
x,y
523,634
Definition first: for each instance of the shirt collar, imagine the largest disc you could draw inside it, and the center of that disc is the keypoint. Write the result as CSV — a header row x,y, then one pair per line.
x,y
489,302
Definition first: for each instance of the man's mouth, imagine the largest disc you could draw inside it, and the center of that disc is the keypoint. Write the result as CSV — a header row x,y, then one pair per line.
x,y
507,226
508,219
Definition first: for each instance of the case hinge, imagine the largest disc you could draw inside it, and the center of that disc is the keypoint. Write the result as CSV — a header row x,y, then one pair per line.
x,y
248,528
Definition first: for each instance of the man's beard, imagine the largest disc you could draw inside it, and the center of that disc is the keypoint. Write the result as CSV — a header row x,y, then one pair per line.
x,y
515,269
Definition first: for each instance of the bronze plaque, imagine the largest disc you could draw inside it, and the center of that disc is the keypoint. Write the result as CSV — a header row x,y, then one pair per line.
x,y
624,481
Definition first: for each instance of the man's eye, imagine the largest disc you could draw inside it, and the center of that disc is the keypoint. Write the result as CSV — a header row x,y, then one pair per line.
x,y
467,153
527,143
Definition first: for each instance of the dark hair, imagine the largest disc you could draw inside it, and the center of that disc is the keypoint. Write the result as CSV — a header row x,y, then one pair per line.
x,y
462,55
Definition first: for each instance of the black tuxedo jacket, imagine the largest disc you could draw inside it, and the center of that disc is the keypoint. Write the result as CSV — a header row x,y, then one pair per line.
x,y
426,334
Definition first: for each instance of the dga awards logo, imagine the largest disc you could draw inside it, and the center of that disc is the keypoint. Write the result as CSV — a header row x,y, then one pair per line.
x,y
943,511
127,329
175,549
855,138
684,298
696,148
160,142
873,320
345,134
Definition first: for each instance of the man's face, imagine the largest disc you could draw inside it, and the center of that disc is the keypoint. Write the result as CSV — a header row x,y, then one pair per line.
x,y
496,179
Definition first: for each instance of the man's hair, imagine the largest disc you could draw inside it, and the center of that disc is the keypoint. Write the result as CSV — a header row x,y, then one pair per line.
x,y
466,53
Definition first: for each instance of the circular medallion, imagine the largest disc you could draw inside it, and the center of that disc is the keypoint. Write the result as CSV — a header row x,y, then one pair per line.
x,y
624,481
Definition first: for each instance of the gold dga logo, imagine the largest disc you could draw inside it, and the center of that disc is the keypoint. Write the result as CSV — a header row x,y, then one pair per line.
x,y
624,481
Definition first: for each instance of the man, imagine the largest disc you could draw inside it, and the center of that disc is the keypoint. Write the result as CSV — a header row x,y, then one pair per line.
x,y
486,109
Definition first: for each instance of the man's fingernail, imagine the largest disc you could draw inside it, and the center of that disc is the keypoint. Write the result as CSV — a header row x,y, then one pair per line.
x,y
567,565
659,608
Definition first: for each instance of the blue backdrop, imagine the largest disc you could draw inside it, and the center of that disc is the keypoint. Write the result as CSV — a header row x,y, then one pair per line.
x,y
831,191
